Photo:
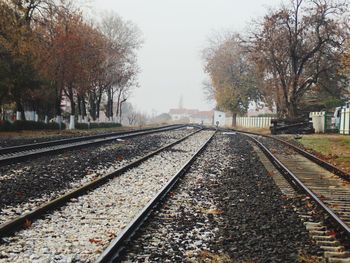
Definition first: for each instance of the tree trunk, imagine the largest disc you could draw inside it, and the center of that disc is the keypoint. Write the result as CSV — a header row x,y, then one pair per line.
x,y
118,103
109,104
72,105
57,106
291,110
72,110
79,105
79,109
83,107
98,102
120,110
20,109
92,105
234,117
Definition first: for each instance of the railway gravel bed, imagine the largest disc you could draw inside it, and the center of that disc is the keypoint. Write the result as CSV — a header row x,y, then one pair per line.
x,y
79,231
45,136
26,185
226,209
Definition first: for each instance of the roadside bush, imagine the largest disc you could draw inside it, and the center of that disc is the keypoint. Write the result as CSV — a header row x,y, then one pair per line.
x,y
81,126
55,126
96,125
28,125
6,126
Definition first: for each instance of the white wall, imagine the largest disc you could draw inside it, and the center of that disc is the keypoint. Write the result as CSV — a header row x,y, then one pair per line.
x,y
318,121
219,118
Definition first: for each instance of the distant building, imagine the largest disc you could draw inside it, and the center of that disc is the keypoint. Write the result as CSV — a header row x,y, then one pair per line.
x,y
202,117
192,116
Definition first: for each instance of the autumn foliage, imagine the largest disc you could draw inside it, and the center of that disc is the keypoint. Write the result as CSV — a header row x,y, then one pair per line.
x,y
299,55
49,54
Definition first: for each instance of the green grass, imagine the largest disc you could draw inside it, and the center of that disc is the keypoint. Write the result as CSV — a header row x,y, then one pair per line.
x,y
335,148
319,145
345,159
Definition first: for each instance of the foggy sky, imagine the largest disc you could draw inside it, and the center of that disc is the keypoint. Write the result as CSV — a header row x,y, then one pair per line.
x,y
175,32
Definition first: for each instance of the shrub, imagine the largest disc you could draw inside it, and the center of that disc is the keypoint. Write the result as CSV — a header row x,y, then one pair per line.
x,y
6,126
55,126
29,125
96,125
81,126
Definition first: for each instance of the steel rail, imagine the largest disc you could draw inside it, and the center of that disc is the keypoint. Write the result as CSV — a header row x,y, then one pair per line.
x,y
114,251
33,146
76,143
329,167
17,223
300,186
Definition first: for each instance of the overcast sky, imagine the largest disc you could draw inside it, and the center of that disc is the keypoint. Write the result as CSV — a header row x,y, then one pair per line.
x,y
175,32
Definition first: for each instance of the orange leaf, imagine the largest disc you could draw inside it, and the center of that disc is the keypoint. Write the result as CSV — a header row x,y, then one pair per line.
x,y
332,233
120,158
27,223
95,240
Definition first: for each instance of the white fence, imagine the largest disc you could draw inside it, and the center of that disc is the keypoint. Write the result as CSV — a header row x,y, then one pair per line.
x,y
253,122
228,121
345,121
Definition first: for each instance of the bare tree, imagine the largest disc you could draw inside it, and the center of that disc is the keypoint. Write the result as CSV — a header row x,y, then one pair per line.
x,y
124,39
209,90
296,46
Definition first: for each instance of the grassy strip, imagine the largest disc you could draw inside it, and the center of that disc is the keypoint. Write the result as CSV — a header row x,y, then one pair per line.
x,y
333,148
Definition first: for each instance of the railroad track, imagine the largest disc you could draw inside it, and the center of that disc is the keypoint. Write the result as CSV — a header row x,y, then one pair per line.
x,y
106,186
325,184
19,153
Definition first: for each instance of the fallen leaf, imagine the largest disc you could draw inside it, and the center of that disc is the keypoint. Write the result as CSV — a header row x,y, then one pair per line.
x,y
270,174
332,233
27,223
213,212
120,158
95,240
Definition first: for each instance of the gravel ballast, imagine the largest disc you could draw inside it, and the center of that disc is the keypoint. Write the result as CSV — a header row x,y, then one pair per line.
x,y
26,185
28,137
79,231
226,209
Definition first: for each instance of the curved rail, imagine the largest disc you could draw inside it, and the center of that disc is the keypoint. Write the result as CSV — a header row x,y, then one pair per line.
x,y
15,224
117,246
24,152
328,166
301,187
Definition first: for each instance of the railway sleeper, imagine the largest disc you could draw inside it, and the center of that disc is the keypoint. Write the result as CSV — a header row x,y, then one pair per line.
x,y
333,250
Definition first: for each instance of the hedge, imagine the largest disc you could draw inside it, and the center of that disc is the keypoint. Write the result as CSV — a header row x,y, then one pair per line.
x,y
95,125
29,125
33,125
